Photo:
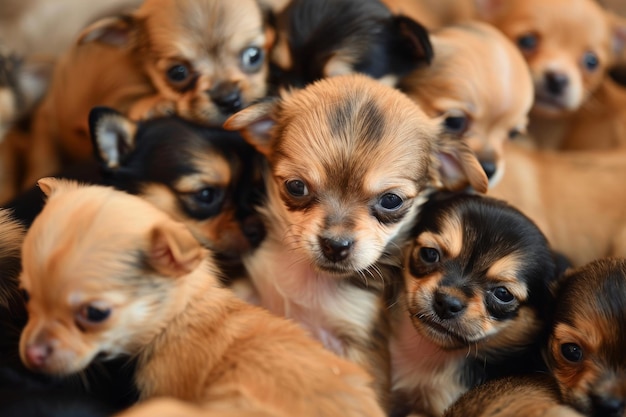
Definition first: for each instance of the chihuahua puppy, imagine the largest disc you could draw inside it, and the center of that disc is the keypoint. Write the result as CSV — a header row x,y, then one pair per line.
x,y
569,46
344,180
11,236
207,178
108,274
477,274
479,85
324,38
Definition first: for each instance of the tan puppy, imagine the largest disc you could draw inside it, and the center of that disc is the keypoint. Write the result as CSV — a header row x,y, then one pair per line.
x,y
108,274
568,44
480,86
344,181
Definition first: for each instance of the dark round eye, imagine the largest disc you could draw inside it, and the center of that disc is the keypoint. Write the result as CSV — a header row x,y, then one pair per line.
x,y
429,255
252,59
572,352
503,295
456,124
390,201
514,133
296,188
591,61
93,314
205,196
178,73
528,42
25,295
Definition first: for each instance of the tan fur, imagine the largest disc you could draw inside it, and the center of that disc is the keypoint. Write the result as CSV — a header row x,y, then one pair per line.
x,y
94,247
11,236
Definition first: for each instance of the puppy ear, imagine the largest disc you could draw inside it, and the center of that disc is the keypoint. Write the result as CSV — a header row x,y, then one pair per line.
x,y
458,167
618,29
112,135
256,124
50,185
117,31
173,249
415,38
489,10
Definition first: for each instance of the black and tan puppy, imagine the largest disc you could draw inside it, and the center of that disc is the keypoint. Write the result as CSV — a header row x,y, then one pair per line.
x,y
475,298
344,181
324,38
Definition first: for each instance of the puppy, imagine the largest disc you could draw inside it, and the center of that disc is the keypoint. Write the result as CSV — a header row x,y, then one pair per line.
x,y
344,180
208,178
109,274
323,38
479,84
11,236
476,293
568,44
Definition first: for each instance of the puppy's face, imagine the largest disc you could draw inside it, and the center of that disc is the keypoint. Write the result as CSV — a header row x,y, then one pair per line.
x,y
99,268
568,45
480,85
207,178
348,174
207,56
586,349
476,274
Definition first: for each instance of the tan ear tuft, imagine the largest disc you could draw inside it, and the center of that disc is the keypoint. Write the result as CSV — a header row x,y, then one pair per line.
x,y
256,124
117,31
50,185
458,168
174,251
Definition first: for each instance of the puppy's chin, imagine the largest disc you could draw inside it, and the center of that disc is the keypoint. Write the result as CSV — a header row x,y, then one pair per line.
x,y
447,336
62,362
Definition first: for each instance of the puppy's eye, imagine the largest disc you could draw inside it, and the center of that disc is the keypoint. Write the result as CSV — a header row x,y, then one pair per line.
x,y
572,352
297,188
503,295
456,124
390,201
591,61
514,133
92,314
429,255
179,74
252,59
528,42
25,295
206,195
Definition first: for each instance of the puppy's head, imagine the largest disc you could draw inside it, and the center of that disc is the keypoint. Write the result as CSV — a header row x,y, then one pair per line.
x,y
207,178
100,268
480,85
586,351
568,44
348,173
477,273
324,38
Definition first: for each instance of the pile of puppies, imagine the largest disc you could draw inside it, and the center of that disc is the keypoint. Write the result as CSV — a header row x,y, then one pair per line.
x,y
219,208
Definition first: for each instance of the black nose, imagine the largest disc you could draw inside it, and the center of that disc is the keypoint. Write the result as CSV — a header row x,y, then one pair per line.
x,y
447,306
227,98
336,250
556,83
489,167
254,230
608,406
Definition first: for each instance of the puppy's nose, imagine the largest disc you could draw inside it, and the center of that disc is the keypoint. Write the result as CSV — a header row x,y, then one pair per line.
x,y
447,306
556,82
37,355
336,250
227,97
608,406
489,167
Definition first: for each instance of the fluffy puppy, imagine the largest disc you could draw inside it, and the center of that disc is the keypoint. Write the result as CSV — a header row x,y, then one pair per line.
x,y
476,293
109,274
479,84
11,236
208,178
344,181
569,46
323,38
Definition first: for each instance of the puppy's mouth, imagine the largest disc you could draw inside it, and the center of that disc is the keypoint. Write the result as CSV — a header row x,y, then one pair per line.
x,y
440,333
549,104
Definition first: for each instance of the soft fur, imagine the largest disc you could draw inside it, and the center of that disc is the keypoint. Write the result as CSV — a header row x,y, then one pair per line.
x,y
108,274
479,83
344,181
474,303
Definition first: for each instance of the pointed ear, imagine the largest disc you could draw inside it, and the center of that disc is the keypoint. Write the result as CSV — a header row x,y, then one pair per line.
x,y
489,10
173,249
618,33
50,185
256,124
458,167
414,38
116,31
112,135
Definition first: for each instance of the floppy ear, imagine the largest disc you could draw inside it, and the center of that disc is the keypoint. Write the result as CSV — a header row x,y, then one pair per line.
x,y
173,249
256,124
112,135
116,31
50,185
458,167
414,39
